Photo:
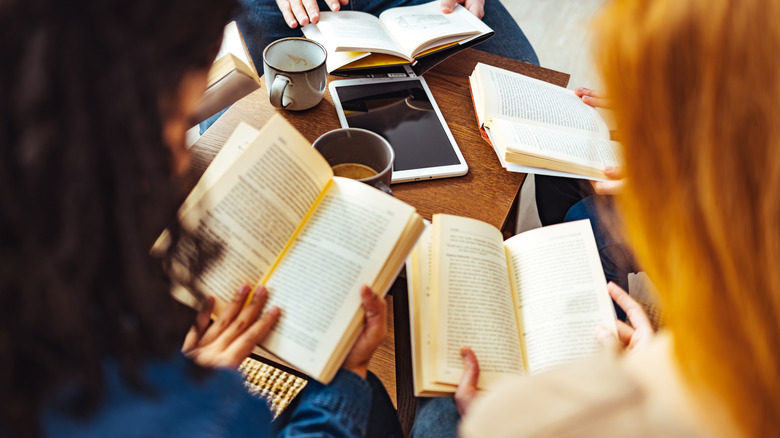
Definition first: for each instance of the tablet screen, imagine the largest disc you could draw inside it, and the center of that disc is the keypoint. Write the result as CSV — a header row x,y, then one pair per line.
x,y
402,113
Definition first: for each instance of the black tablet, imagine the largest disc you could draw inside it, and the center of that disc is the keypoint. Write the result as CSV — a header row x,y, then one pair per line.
x,y
401,110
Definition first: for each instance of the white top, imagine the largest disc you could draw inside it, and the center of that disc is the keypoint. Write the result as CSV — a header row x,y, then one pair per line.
x,y
640,394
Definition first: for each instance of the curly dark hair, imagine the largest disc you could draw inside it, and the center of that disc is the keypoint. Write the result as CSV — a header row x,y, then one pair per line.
x,y
85,187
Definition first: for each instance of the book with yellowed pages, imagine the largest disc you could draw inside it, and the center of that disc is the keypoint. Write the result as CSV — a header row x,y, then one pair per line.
x,y
232,75
358,40
283,220
540,126
523,305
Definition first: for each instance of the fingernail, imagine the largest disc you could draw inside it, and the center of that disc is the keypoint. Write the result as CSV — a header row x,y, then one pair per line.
x,y
588,98
275,310
259,293
334,6
242,292
608,168
602,332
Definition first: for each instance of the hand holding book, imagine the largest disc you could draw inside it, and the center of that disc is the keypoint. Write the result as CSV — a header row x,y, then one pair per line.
x,y
303,12
230,339
241,326
593,98
536,127
614,184
633,337
283,220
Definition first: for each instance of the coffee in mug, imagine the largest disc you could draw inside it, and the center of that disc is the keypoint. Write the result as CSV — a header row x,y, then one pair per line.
x,y
358,154
353,171
295,73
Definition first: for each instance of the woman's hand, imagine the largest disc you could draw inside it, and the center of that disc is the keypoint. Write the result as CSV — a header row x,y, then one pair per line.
x,y
615,183
615,174
593,98
303,12
230,339
373,333
633,338
476,7
467,388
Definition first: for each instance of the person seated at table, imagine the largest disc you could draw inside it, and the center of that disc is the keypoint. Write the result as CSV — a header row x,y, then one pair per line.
x,y
561,199
96,98
700,208
264,21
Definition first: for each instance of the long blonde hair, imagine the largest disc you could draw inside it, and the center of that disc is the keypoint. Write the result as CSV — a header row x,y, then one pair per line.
x,y
696,85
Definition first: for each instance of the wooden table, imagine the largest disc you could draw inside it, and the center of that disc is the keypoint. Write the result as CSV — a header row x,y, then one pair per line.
x,y
487,192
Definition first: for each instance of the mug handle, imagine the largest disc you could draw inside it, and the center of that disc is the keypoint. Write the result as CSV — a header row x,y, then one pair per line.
x,y
383,187
277,91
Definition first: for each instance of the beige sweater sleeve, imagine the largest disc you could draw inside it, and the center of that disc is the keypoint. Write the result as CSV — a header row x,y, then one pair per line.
x,y
593,398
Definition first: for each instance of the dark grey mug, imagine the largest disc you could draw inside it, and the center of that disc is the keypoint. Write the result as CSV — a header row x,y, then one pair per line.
x,y
358,154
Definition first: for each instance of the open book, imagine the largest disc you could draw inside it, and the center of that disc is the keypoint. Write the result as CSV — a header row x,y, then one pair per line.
x,y
232,75
532,123
400,34
523,306
313,239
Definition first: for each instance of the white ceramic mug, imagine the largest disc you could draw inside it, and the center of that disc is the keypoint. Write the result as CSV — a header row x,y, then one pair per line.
x,y
295,73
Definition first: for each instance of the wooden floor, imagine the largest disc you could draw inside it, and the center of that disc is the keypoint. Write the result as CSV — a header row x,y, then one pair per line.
x,y
560,31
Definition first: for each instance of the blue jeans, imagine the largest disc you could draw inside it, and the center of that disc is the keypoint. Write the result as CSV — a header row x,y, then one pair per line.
x,y
616,258
261,23
435,418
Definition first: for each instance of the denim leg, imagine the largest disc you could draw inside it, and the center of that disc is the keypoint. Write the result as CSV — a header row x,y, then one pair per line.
x,y
436,417
383,420
556,195
206,124
509,40
616,258
261,23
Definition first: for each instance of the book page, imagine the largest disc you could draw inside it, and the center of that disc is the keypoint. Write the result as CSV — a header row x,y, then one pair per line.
x,y
255,207
474,301
334,60
554,144
561,293
343,245
417,28
232,56
421,317
233,43
510,95
239,140
353,31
